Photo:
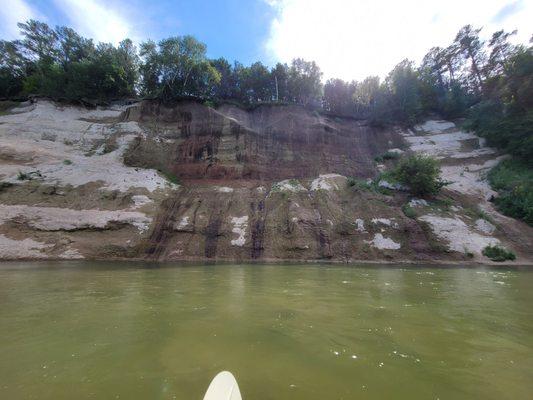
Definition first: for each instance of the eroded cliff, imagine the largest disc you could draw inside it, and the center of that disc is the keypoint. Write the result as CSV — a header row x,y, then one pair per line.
x,y
267,143
264,184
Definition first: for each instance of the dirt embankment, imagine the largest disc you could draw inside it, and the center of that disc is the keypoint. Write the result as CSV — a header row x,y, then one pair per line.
x,y
267,184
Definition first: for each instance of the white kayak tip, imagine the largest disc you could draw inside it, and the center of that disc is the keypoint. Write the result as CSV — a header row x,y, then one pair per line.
x,y
223,387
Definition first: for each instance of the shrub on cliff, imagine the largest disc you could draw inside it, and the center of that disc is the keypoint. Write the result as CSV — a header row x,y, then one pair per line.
x,y
513,179
420,173
498,254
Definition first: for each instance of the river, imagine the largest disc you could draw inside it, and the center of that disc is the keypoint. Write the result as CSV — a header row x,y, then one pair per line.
x,y
162,331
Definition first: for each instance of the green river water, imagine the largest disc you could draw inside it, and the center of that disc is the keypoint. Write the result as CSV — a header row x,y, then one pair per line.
x,y
78,330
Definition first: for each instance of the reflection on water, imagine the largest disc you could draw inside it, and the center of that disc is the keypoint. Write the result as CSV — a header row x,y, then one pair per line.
x,y
105,331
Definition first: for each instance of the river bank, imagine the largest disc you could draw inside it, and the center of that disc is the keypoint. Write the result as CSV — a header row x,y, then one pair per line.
x,y
190,182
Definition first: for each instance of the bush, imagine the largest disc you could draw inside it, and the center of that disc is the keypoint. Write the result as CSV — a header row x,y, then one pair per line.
x,y
169,176
369,186
420,173
513,179
28,176
389,155
507,131
359,184
408,211
498,254
22,176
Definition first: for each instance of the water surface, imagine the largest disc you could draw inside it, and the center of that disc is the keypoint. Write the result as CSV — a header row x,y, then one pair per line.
x,y
135,331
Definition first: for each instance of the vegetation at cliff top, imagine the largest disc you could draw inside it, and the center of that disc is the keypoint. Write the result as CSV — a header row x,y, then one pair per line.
x,y
490,83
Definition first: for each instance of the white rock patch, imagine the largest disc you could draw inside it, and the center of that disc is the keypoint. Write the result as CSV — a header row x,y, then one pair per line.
x,y
443,140
418,203
435,126
458,234
17,249
470,179
46,135
140,200
328,182
383,243
440,145
384,221
288,185
447,145
65,219
71,254
239,227
224,189
391,186
360,225
184,225
485,226
396,151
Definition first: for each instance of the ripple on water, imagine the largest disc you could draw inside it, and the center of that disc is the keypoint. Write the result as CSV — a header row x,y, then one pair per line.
x,y
326,339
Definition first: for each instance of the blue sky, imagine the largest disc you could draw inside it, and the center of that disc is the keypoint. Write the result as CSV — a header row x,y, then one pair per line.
x,y
231,28
349,39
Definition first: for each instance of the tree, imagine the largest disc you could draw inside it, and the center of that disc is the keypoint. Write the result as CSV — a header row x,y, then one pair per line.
x,y
149,69
304,82
505,117
72,47
339,96
434,64
12,69
403,84
471,48
39,40
367,91
450,57
176,67
257,84
500,51
433,83
126,59
225,89
280,74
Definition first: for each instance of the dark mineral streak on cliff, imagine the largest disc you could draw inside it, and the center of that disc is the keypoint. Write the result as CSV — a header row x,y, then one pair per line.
x,y
268,143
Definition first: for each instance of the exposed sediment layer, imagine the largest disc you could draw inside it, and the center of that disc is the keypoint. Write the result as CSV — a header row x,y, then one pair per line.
x,y
263,184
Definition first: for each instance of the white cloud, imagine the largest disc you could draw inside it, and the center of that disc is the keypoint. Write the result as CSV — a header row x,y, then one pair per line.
x,y
97,19
16,11
352,39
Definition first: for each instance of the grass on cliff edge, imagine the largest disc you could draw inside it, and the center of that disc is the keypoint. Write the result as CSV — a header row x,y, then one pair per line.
x,y
513,180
